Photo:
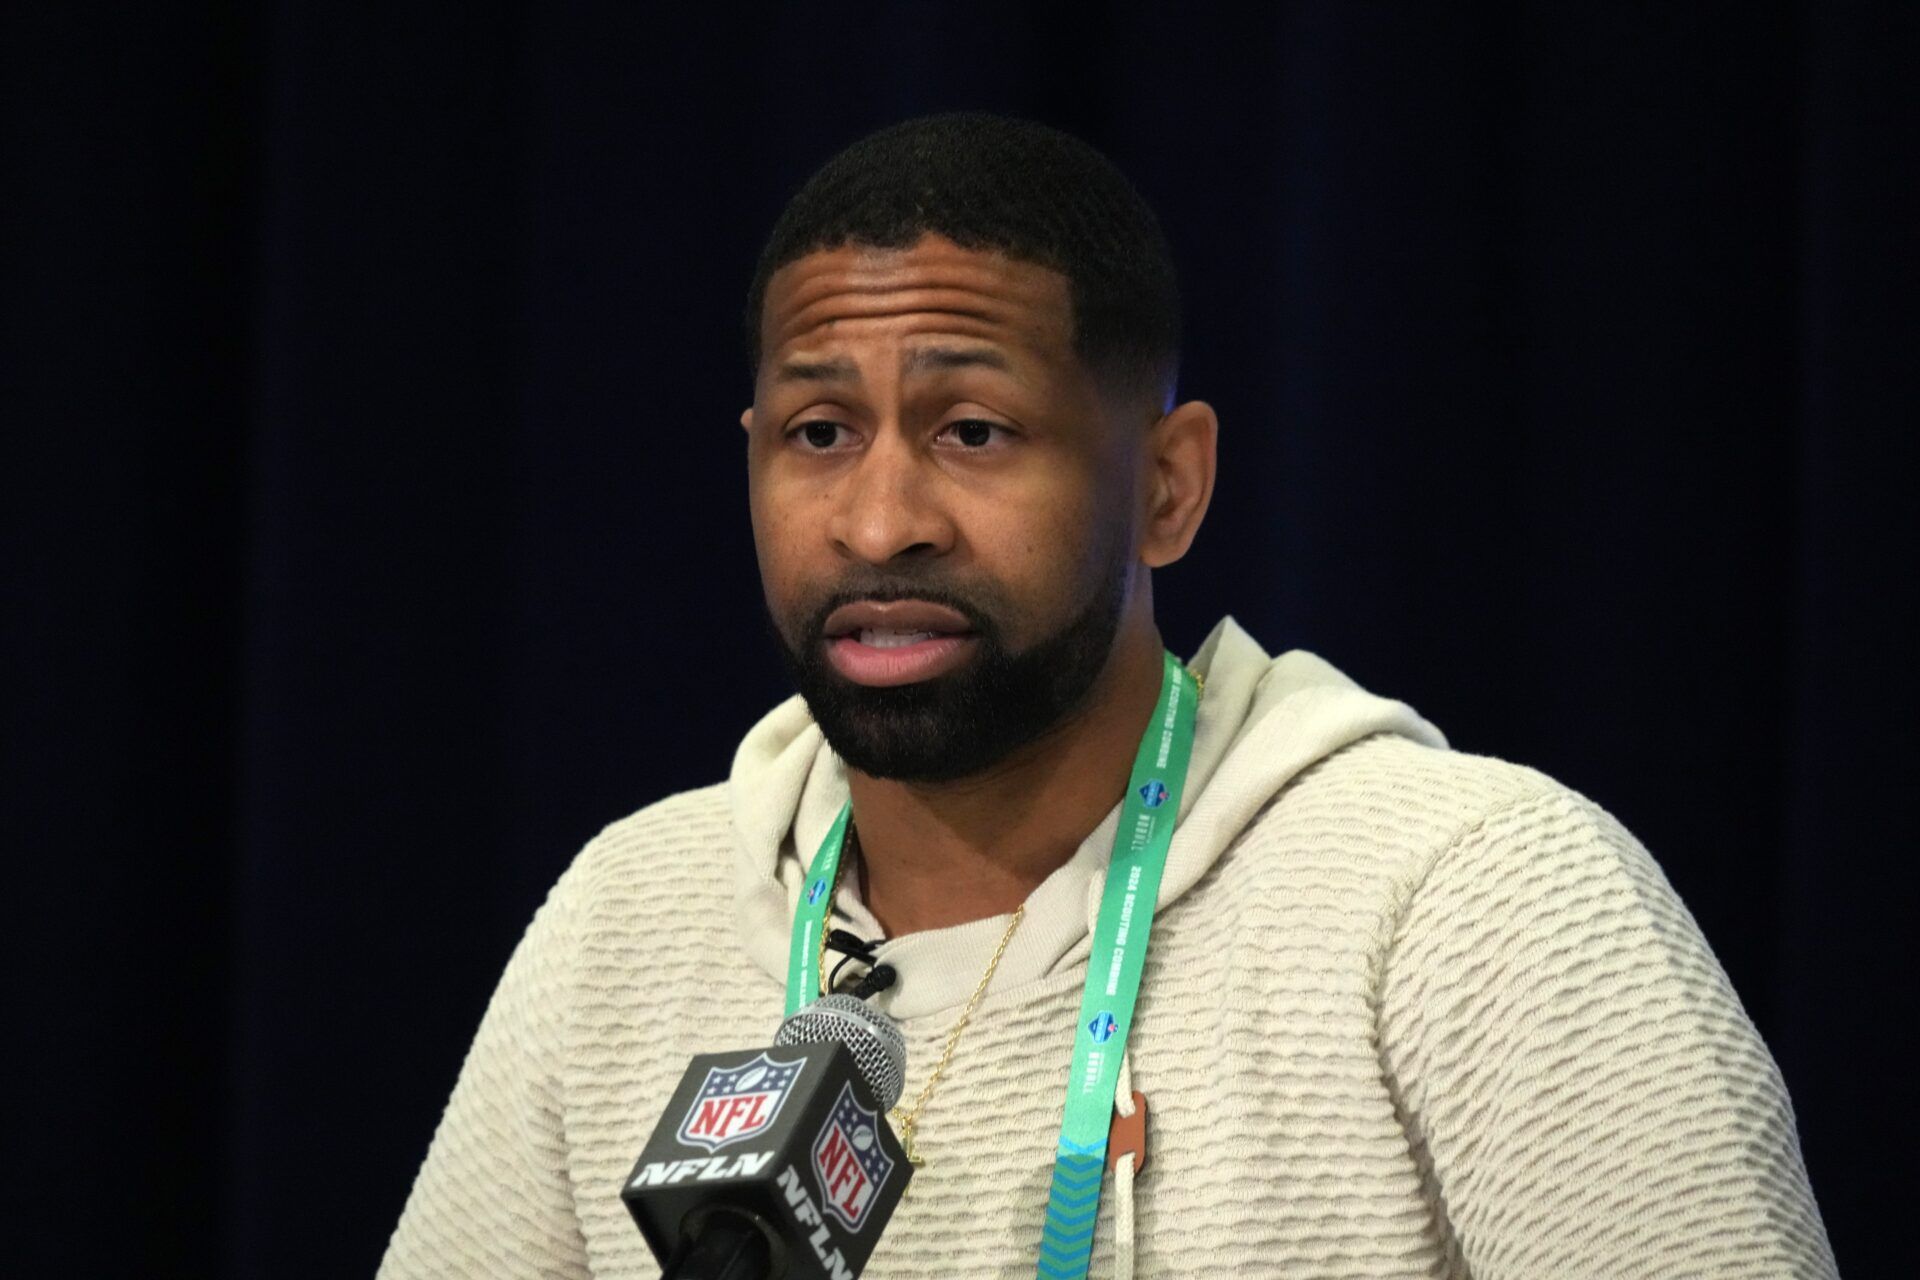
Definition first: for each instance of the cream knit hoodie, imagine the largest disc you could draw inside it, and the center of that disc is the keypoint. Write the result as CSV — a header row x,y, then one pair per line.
x,y
1407,1012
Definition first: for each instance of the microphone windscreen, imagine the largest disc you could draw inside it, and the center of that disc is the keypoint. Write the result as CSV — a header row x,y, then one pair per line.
x,y
879,1050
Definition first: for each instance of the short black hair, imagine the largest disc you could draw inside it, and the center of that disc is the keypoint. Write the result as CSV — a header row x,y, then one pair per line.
x,y
1030,191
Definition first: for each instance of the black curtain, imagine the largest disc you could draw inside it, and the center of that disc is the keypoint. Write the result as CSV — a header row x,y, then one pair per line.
x,y
374,519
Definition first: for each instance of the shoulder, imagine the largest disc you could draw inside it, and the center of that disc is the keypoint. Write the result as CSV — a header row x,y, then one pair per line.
x,y
1399,805
1499,829
1411,776
678,840
1422,832
1533,887
679,820
1450,798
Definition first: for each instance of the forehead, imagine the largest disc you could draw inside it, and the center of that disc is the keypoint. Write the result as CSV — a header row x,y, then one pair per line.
x,y
852,292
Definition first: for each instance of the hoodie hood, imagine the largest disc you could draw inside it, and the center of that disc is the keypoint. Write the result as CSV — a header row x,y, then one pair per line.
x,y
1261,721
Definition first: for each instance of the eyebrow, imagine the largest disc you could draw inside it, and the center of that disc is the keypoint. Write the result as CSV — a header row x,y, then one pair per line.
x,y
920,360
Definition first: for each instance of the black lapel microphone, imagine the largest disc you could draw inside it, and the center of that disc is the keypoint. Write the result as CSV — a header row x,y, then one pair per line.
x,y
779,1162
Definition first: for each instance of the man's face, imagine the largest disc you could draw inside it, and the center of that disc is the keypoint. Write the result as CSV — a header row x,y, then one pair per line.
x,y
943,503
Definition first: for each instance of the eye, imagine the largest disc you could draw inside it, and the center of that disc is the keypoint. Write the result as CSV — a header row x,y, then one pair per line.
x,y
974,433
819,435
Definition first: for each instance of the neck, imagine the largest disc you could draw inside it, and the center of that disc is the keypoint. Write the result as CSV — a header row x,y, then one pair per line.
x,y
941,854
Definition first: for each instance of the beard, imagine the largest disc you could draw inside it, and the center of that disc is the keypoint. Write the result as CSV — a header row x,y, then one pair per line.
x,y
966,721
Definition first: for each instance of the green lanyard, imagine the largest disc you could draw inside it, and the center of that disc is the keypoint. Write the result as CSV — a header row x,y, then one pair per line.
x,y
810,916
1113,968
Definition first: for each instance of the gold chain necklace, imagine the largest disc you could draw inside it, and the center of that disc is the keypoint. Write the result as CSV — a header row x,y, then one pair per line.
x,y
906,1122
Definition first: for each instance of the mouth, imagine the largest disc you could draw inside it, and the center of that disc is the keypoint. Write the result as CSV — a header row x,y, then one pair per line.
x,y
895,642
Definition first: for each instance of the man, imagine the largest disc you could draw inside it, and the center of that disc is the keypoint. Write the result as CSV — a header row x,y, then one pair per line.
x,y
1404,1011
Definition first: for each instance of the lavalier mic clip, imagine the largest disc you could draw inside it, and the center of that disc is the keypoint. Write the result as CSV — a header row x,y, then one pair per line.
x,y
851,947
878,979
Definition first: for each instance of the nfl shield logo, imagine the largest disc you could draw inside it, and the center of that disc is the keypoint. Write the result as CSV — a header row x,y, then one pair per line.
x,y
737,1102
848,1160
1154,793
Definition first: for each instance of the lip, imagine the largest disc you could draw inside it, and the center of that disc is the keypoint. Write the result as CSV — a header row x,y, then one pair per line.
x,y
906,664
895,615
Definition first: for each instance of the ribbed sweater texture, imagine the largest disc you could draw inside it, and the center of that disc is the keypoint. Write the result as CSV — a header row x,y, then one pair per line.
x,y
1407,1012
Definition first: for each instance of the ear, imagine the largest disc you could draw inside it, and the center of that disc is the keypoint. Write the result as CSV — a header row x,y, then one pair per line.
x,y
746,419
1179,481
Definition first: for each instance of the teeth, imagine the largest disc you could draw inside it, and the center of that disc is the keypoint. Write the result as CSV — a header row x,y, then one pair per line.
x,y
878,639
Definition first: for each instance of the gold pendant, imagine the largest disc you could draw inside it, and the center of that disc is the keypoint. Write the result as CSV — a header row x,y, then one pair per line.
x,y
904,1127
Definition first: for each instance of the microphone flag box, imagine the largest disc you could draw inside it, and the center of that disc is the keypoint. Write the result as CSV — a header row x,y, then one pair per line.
x,y
790,1134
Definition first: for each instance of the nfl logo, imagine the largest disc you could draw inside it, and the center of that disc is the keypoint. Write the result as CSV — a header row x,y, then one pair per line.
x,y
1103,1026
737,1102
1154,793
849,1161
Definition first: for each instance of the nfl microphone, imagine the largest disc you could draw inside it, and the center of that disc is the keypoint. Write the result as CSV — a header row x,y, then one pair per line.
x,y
778,1162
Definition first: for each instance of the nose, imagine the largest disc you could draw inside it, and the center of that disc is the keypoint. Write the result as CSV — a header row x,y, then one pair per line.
x,y
889,506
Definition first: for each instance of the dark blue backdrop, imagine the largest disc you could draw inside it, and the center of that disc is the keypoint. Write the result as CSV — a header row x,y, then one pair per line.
x,y
374,516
